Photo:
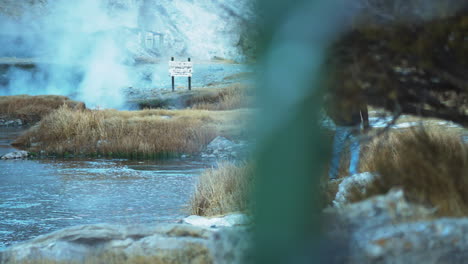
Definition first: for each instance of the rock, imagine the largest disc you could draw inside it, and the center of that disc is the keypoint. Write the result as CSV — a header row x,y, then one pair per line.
x,y
15,155
11,123
232,246
380,210
225,221
389,229
219,143
357,182
163,243
437,241
223,148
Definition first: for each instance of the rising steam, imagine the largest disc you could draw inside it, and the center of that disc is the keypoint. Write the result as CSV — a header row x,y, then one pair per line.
x,y
86,49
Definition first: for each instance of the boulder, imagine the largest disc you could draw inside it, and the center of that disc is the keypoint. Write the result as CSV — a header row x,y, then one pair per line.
x,y
437,241
162,243
15,155
219,143
354,183
225,149
389,229
232,246
215,222
11,123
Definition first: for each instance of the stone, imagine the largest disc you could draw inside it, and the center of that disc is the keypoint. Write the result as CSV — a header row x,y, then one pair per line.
x,y
232,246
356,182
11,123
389,229
225,149
169,243
219,143
213,222
15,155
164,243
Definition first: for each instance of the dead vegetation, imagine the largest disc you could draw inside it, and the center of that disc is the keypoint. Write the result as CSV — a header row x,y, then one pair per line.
x,y
31,109
223,190
430,165
135,134
232,97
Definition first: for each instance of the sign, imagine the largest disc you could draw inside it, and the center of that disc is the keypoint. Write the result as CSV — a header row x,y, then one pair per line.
x,y
181,68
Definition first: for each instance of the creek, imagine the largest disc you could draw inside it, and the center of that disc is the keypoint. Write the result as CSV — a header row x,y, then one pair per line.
x,y
45,195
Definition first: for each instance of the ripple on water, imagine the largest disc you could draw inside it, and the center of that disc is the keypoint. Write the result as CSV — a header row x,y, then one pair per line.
x,y
41,196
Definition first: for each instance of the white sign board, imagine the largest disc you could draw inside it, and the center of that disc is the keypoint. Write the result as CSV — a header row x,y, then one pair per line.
x,y
181,68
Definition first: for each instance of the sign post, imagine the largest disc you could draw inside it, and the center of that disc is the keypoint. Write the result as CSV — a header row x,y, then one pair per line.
x,y
190,79
181,69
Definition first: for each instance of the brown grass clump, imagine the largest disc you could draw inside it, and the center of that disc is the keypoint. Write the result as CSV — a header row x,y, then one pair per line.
x,y
232,97
135,134
430,165
223,190
117,133
31,109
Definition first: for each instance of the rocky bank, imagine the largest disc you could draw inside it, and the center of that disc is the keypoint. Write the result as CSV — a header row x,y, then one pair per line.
x,y
382,229
167,243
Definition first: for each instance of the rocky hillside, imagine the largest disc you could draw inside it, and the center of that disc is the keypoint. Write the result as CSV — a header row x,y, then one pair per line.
x,y
201,29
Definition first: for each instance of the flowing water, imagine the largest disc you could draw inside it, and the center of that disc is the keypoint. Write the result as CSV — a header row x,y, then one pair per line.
x,y
41,196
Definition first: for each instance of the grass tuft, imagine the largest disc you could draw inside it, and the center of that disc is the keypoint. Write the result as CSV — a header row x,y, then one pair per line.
x,y
233,97
223,190
431,166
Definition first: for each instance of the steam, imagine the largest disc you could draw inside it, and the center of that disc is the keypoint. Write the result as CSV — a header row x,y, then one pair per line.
x,y
86,49
77,47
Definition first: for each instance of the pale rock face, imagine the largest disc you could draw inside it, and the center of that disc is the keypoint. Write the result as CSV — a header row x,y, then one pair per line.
x,y
15,155
357,182
201,29
216,222
168,243
225,149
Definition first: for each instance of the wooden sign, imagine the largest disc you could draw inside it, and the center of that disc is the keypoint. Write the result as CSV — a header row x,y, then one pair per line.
x,y
181,68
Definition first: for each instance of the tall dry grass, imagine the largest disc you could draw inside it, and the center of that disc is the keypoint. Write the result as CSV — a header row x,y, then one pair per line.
x,y
431,165
147,133
223,190
31,109
232,97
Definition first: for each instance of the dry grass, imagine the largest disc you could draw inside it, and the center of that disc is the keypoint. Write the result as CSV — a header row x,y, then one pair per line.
x,y
147,133
431,165
223,190
31,109
232,97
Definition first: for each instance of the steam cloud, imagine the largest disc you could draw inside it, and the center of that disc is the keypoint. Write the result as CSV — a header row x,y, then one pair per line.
x,y
86,48
80,49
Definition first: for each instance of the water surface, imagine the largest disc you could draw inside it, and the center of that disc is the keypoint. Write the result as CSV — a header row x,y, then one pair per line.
x,y
41,196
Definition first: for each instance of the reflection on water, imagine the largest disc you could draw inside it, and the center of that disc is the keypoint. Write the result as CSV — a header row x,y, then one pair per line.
x,y
40,196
